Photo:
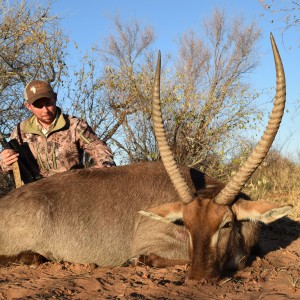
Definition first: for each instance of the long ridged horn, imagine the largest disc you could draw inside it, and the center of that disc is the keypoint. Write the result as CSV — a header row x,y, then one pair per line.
x,y
237,182
160,134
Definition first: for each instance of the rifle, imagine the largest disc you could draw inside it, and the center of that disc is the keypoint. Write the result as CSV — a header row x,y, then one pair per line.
x,y
15,165
22,171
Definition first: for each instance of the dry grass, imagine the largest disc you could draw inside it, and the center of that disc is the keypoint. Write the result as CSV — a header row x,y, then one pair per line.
x,y
277,180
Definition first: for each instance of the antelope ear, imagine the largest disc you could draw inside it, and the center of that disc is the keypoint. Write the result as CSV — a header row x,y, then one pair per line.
x,y
168,213
260,211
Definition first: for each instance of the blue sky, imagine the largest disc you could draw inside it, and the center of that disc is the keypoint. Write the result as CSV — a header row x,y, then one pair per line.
x,y
88,22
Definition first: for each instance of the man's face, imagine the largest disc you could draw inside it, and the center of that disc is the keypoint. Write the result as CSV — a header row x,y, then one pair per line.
x,y
44,109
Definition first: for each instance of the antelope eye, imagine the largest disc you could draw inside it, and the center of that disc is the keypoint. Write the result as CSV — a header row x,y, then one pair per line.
x,y
227,225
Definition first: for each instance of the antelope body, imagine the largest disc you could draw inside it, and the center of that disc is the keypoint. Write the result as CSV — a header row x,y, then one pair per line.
x,y
158,212
93,216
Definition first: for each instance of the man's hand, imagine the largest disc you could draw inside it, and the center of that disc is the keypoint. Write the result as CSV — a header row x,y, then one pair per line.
x,y
8,157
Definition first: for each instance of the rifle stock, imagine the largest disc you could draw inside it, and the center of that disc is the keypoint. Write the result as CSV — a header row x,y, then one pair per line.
x,y
23,170
26,162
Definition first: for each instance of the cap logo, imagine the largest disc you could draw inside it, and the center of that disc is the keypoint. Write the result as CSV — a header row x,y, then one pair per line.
x,y
33,89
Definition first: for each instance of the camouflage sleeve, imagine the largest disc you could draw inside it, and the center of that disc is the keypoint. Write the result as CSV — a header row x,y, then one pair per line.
x,y
4,168
96,148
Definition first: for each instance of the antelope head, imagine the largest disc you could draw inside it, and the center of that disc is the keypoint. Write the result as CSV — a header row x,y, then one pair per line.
x,y
222,224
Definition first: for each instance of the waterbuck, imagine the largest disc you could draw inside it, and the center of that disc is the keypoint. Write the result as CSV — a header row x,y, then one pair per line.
x,y
156,212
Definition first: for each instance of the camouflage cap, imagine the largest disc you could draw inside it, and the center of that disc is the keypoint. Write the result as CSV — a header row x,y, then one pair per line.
x,y
37,89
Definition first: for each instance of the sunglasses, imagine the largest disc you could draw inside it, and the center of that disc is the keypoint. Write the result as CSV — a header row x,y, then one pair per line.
x,y
44,103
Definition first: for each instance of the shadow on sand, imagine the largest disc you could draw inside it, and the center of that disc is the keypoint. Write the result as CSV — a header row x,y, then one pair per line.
x,y
278,235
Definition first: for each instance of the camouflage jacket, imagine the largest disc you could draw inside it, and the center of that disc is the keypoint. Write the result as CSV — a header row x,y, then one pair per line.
x,y
62,148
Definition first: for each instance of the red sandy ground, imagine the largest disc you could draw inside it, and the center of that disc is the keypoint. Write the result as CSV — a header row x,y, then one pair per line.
x,y
273,274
